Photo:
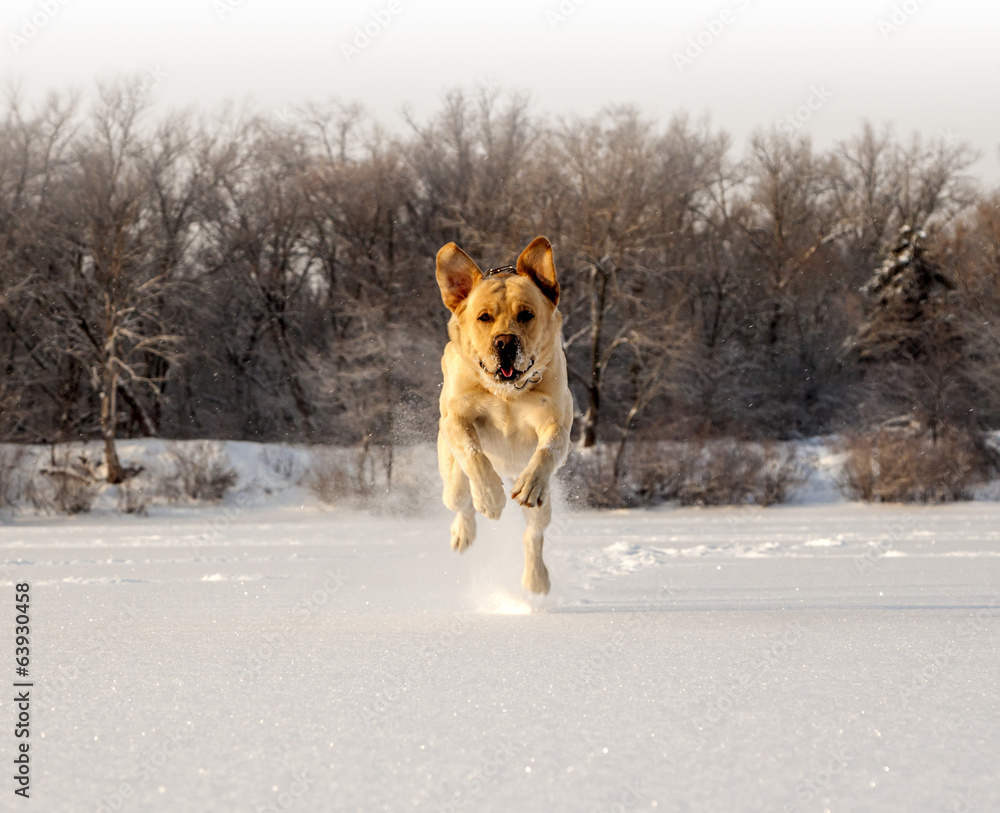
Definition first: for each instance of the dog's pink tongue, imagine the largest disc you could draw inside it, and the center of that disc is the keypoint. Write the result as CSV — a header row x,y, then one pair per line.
x,y
508,372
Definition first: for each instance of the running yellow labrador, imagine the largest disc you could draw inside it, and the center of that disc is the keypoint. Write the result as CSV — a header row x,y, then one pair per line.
x,y
506,409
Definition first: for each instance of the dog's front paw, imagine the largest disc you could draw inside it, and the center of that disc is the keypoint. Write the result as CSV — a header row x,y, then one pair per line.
x,y
536,576
463,532
487,494
531,488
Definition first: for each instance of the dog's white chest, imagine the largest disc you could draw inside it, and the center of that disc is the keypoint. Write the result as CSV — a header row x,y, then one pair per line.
x,y
509,438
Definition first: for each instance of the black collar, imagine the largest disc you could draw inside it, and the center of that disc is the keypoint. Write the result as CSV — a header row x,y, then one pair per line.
x,y
503,269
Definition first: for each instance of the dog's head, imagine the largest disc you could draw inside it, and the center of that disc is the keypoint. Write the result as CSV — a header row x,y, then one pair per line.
x,y
506,321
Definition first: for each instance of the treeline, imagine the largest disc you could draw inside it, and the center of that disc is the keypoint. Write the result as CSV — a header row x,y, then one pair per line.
x,y
269,277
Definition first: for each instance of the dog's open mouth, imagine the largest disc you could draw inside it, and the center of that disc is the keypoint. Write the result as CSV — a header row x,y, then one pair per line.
x,y
506,372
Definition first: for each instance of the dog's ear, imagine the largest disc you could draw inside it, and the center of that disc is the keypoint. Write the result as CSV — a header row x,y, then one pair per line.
x,y
456,274
536,262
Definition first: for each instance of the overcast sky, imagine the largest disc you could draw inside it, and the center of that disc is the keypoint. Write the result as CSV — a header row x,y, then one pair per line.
x,y
931,66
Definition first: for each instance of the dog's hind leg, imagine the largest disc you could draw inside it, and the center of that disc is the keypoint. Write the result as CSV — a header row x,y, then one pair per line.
x,y
457,496
536,575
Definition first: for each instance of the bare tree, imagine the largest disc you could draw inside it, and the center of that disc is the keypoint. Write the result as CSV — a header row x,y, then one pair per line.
x,y
473,166
33,154
790,225
371,359
867,186
656,350
104,311
882,186
972,261
254,224
611,201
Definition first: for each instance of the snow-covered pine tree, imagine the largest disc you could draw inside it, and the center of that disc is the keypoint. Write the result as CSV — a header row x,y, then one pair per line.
x,y
910,317
911,346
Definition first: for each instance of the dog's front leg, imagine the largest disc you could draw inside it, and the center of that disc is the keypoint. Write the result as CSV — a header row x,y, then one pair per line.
x,y
532,487
457,496
488,496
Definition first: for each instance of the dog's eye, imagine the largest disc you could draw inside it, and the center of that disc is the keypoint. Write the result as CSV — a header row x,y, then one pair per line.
x,y
525,316
485,317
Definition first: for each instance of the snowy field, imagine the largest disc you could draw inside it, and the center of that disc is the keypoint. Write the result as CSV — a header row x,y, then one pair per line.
x,y
270,654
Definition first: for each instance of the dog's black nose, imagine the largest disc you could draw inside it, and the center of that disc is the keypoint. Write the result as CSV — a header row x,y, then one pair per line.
x,y
505,342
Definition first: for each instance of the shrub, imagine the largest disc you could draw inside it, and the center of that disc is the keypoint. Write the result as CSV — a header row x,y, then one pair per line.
x,y
723,473
733,473
363,478
280,460
203,470
887,465
587,479
336,476
132,498
67,485
63,494
329,478
698,473
783,474
12,478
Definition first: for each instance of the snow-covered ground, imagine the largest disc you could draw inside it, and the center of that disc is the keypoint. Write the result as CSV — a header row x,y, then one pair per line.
x,y
272,654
